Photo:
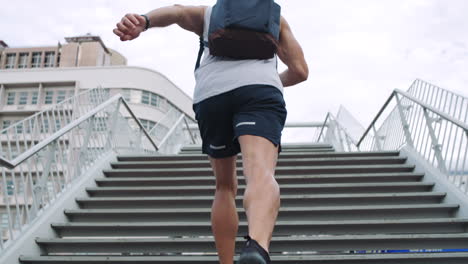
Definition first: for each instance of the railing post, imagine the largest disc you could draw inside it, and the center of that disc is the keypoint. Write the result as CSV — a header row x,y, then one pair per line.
x,y
7,202
333,129
112,126
1,235
377,139
404,122
435,144
323,126
84,146
348,142
41,185
189,130
340,138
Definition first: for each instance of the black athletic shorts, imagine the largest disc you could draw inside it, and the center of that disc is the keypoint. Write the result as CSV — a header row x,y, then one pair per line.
x,y
257,110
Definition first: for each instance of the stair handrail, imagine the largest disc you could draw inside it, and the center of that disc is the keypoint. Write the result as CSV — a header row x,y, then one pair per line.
x,y
172,130
36,148
436,136
338,134
47,169
427,92
68,102
419,102
173,117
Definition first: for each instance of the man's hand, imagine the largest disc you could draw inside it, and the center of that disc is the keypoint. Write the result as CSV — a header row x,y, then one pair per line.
x,y
130,27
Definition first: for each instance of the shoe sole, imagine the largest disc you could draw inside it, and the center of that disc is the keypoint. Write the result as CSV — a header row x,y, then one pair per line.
x,y
251,259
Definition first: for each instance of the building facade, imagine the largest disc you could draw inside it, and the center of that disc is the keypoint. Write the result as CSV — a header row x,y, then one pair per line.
x,y
80,51
35,79
150,94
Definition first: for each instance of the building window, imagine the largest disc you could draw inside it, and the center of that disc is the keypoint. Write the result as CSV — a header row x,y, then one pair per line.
x,y
145,97
11,59
5,125
36,60
49,97
23,60
45,126
61,96
100,124
57,125
11,98
4,224
10,188
147,124
154,100
49,59
29,126
34,98
14,153
23,98
19,128
58,59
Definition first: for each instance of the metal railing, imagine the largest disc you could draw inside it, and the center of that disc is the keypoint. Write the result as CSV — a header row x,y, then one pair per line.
x,y
352,126
447,102
171,132
334,133
435,126
302,132
26,133
40,161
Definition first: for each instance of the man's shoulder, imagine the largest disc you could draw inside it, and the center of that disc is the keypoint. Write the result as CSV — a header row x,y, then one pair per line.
x,y
192,18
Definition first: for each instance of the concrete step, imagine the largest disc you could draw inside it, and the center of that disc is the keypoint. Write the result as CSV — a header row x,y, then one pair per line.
x,y
74,246
408,258
286,146
295,170
286,200
282,156
392,187
287,149
282,228
281,163
114,210
302,150
281,179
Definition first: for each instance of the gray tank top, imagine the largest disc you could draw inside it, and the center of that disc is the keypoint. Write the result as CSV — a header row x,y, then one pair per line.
x,y
218,75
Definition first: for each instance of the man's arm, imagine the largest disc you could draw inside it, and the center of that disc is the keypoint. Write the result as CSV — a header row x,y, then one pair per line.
x,y
190,18
290,52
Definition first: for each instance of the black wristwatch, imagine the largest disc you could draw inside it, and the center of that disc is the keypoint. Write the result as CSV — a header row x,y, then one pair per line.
x,y
147,22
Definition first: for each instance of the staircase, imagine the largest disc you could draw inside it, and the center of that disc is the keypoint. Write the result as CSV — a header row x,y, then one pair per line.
x,y
336,208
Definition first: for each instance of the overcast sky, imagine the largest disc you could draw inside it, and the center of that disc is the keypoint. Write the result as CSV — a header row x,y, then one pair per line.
x,y
358,51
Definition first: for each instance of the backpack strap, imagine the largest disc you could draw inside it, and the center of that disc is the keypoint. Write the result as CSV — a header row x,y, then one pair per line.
x,y
200,53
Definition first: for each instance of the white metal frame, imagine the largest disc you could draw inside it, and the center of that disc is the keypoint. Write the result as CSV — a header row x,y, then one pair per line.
x,y
92,126
430,120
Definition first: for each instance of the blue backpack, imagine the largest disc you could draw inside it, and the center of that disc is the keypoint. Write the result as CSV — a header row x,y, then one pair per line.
x,y
243,29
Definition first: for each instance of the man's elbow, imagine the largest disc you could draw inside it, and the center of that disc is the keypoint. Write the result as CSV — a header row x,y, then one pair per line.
x,y
302,73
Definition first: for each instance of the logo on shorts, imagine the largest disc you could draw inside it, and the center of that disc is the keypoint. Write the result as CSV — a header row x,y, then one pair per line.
x,y
246,124
217,147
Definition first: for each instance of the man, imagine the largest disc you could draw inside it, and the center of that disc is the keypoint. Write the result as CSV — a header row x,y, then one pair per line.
x,y
240,108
